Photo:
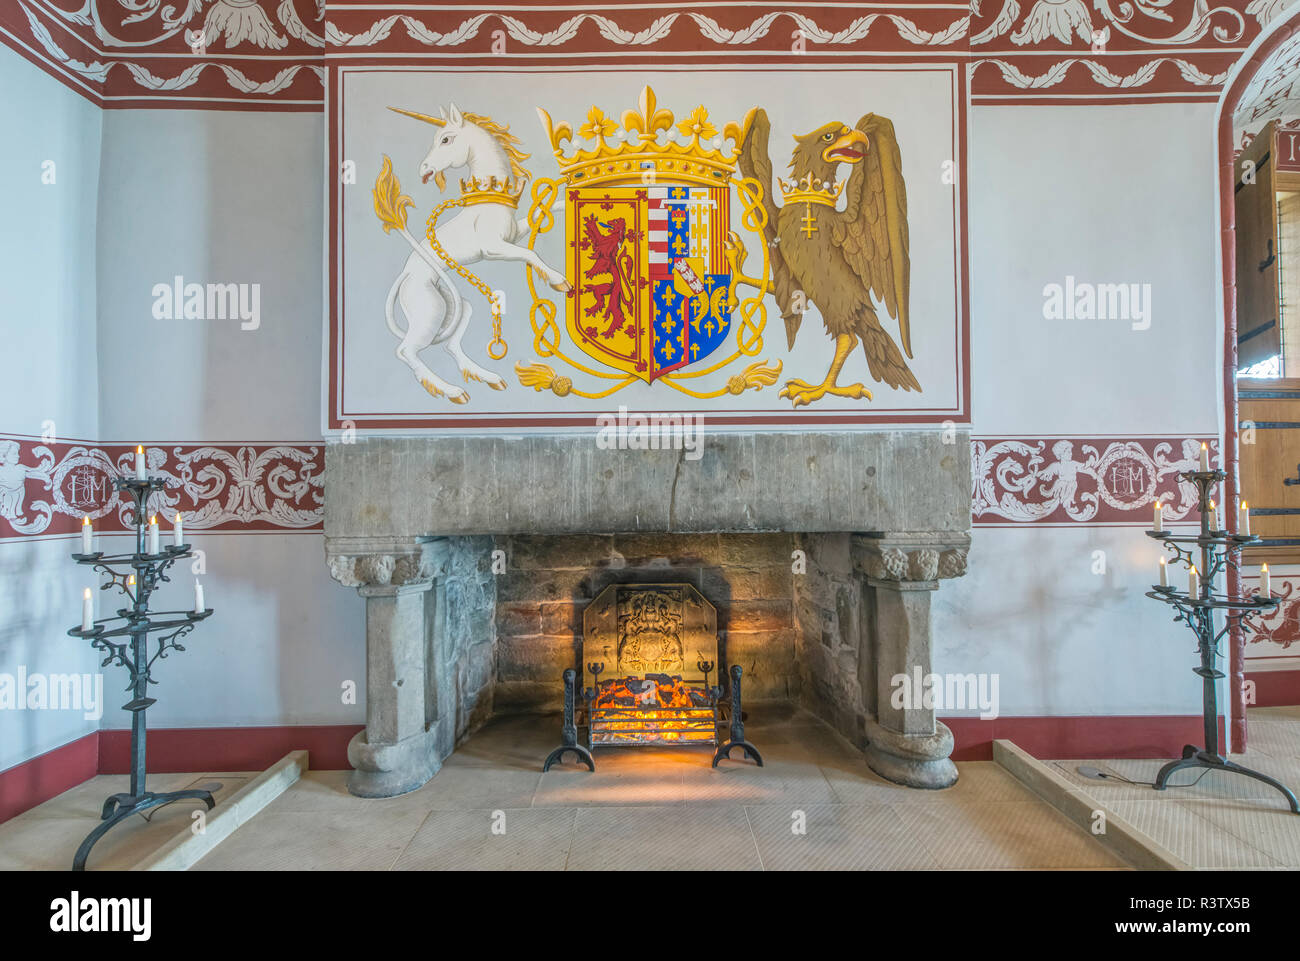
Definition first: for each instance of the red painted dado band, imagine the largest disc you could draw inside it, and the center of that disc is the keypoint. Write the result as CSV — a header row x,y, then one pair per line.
x,y
47,488
230,749
226,54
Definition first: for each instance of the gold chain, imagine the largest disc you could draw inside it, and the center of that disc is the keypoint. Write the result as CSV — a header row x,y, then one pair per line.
x,y
497,346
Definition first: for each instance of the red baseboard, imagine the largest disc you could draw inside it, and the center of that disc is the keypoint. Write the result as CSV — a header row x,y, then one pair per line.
x,y
1276,688
36,781
1077,737
256,748
229,748
200,749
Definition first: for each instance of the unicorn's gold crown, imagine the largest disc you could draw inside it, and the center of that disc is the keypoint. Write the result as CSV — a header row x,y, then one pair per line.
x,y
692,151
490,190
808,190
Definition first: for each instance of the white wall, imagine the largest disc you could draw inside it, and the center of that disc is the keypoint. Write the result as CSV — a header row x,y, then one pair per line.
x,y
228,197
1108,195
48,339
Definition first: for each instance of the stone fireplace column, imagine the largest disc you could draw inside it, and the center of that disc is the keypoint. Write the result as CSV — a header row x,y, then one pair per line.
x,y
906,744
398,751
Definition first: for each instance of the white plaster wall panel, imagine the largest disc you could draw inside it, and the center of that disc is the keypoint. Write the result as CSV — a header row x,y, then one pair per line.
x,y
215,197
47,332
40,598
47,253
1062,639
281,642
1121,194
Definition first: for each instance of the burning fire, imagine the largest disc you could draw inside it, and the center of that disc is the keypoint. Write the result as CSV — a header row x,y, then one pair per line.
x,y
653,710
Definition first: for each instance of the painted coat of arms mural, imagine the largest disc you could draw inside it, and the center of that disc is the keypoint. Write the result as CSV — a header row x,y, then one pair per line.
x,y
675,253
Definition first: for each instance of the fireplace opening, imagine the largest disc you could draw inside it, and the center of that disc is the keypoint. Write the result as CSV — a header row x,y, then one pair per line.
x,y
651,638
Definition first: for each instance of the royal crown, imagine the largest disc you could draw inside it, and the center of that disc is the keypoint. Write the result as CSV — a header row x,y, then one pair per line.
x,y
491,190
811,191
692,151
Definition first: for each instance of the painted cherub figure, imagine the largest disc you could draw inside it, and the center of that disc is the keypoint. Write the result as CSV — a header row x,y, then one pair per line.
x,y
13,481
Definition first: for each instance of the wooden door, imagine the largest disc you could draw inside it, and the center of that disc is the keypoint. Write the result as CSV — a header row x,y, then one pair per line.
x,y
1269,415
1258,314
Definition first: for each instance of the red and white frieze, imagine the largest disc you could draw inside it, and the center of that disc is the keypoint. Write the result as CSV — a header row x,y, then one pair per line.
x,y
1084,480
230,53
46,488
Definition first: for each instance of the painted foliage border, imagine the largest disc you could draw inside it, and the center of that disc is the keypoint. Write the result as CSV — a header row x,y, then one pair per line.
x,y
48,486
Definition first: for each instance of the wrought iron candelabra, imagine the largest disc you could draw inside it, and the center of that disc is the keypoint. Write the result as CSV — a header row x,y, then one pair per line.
x,y
1214,550
123,639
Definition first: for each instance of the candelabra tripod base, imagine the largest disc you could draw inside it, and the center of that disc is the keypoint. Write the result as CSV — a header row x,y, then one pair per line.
x,y
119,807
1194,757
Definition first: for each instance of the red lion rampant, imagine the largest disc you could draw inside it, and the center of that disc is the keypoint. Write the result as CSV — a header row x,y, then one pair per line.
x,y
609,259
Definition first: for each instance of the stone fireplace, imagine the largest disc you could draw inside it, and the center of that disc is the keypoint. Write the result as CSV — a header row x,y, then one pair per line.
x,y
477,556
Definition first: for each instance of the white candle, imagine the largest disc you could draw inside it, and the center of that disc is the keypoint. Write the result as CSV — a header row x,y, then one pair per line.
x,y
87,611
198,598
1193,584
1214,518
1205,457
1264,587
86,533
153,535
139,462
1164,573
178,531
1244,523
1159,518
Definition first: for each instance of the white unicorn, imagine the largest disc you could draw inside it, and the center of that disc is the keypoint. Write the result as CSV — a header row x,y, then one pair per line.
x,y
436,313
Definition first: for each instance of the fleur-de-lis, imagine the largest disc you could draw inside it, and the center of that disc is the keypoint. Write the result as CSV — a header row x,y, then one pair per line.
x,y
597,125
697,125
650,120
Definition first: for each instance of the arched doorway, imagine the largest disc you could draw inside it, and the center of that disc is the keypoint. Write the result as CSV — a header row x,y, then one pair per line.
x,y
1262,89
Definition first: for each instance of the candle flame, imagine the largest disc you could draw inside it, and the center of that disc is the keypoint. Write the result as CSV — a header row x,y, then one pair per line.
x,y
1162,562
130,581
178,517
1157,505
139,448
86,593
1265,567
85,521
1202,445
153,520
1193,568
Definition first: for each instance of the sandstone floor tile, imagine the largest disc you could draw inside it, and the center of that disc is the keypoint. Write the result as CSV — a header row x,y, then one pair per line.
x,y
837,837
526,839
353,840
680,838
1006,834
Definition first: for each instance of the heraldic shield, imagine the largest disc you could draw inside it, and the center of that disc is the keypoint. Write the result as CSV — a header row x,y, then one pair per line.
x,y
650,275
653,260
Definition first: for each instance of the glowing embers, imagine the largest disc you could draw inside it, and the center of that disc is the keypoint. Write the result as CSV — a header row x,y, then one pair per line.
x,y
656,709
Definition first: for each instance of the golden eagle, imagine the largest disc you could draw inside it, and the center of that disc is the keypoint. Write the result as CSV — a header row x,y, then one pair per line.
x,y
839,258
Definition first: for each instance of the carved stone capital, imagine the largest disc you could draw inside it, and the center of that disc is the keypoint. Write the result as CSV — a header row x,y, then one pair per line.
x,y
383,561
904,557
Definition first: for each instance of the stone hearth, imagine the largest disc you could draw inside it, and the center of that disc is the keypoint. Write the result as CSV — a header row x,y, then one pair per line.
x,y
476,556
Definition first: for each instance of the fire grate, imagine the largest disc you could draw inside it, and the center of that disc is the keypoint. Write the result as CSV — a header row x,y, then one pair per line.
x,y
646,635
